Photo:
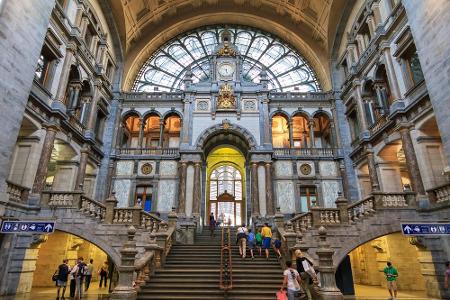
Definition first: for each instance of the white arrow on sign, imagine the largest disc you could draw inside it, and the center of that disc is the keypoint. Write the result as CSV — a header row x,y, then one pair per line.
x,y
407,229
48,227
33,226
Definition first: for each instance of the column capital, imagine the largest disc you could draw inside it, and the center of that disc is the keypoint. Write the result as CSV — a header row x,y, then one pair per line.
x,y
51,126
85,149
405,126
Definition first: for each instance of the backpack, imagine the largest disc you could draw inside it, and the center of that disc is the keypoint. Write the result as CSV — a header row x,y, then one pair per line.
x,y
82,270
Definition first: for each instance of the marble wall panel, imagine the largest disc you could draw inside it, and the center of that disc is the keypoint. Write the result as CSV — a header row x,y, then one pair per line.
x,y
124,167
286,196
168,168
283,168
262,190
330,191
167,191
328,168
122,188
189,189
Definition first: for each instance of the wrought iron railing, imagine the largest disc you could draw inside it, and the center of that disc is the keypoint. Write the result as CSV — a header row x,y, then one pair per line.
x,y
226,268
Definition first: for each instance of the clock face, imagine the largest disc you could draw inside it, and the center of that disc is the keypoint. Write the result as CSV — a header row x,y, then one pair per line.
x,y
226,69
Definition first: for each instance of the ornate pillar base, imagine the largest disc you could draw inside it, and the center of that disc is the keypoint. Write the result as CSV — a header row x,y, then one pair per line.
x,y
124,292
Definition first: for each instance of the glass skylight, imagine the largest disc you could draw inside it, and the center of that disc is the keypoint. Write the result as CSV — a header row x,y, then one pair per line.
x,y
286,69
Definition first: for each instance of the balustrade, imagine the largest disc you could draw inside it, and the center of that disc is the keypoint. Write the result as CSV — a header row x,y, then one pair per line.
x,y
93,208
361,208
65,199
328,216
76,124
302,222
393,200
17,193
440,194
169,152
304,152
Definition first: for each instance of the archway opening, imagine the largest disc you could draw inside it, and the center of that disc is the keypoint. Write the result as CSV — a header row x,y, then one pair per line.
x,y
225,191
48,252
361,273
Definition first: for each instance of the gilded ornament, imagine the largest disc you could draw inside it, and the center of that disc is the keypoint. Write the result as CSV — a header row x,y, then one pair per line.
x,y
146,169
226,50
305,169
226,98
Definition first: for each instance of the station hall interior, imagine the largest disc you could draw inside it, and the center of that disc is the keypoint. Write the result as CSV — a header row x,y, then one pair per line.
x,y
147,133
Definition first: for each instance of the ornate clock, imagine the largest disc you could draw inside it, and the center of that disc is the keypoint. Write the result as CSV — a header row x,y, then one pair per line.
x,y
146,169
305,169
226,69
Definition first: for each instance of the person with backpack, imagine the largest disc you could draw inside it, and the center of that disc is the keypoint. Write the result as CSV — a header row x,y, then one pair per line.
x,y
307,273
78,272
291,281
89,271
242,240
251,242
61,278
277,247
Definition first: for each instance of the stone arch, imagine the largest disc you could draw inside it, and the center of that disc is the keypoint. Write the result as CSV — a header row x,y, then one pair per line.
x,y
322,111
280,112
86,234
171,113
368,236
129,113
301,112
226,129
150,113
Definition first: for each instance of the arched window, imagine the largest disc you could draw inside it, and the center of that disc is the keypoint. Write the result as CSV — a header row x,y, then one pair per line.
x,y
225,179
280,132
300,131
322,131
130,137
172,129
152,131
287,70
226,194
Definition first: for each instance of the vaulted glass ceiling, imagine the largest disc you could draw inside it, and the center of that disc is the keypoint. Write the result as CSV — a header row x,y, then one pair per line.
x,y
286,69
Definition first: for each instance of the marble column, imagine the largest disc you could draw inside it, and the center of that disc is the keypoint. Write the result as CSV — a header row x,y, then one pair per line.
x,y
267,138
393,83
312,143
255,189
64,78
411,160
82,167
372,27
372,170
185,129
291,134
361,110
269,188
182,189
376,13
197,189
47,148
75,96
93,111
141,133
161,133
344,178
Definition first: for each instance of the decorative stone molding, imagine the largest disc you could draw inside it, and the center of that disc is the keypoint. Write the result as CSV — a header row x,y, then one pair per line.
x,y
228,127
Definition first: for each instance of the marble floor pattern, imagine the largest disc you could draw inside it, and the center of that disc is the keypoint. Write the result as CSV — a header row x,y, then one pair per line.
x,y
364,292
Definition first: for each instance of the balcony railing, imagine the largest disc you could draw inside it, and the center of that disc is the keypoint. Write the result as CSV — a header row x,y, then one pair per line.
x,y
375,127
304,152
76,124
17,193
317,96
440,194
169,152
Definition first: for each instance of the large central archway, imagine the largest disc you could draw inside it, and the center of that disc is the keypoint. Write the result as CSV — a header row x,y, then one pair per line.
x,y
225,189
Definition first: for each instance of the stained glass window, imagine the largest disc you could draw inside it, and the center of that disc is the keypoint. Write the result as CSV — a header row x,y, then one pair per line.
x,y
287,70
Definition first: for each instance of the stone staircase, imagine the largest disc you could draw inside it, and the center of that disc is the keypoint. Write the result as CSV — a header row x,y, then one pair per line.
x,y
193,272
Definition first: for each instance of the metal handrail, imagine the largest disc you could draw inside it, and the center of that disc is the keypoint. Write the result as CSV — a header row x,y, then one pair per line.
x,y
226,269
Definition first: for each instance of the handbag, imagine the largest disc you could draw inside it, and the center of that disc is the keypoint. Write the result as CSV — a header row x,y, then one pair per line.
x,y
55,276
282,295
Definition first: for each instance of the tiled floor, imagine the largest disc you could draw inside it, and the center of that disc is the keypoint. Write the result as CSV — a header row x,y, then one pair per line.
x,y
94,293
364,292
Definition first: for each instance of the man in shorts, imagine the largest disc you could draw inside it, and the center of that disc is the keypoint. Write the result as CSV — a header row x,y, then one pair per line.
x,y
61,281
266,233
391,277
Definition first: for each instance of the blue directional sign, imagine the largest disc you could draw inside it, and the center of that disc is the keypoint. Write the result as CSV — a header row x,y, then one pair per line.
x,y
27,226
426,229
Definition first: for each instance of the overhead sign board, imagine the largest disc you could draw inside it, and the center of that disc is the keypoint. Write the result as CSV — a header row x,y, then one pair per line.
x,y
27,226
412,229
